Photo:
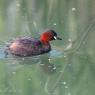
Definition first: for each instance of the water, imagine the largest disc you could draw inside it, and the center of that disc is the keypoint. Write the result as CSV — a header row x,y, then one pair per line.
x,y
69,68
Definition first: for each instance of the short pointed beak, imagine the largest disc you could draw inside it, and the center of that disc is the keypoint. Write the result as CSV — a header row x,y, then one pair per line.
x,y
57,38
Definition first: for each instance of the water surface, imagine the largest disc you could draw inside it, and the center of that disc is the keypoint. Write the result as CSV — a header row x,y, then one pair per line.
x,y
69,68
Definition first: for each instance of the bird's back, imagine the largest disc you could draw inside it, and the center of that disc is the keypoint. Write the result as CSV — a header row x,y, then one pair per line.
x,y
27,47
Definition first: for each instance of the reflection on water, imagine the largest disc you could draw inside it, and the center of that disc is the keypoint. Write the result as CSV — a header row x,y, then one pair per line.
x,y
28,71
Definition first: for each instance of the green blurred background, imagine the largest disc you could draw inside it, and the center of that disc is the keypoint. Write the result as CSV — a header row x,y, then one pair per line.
x,y
69,68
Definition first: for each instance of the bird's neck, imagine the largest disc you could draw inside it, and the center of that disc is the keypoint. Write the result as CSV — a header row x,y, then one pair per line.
x,y
44,42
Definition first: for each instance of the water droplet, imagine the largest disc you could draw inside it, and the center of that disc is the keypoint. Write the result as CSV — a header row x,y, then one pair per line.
x,y
54,24
49,59
64,82
18,5
69,40
35,24
73,9
13,72
69,93
29,79
54,68
66,86
65,56
23,58
69,46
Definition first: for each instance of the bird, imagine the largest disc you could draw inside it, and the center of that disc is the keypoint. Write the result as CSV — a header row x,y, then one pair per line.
x,y
29,46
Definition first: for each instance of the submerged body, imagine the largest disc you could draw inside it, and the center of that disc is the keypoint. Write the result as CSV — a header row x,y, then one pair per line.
x,y
31,46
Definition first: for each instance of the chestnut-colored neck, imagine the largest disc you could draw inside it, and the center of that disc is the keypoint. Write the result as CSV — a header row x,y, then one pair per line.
x,y
45,42
44,39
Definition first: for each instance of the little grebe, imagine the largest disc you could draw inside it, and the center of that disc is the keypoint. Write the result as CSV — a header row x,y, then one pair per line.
x,y
31,46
